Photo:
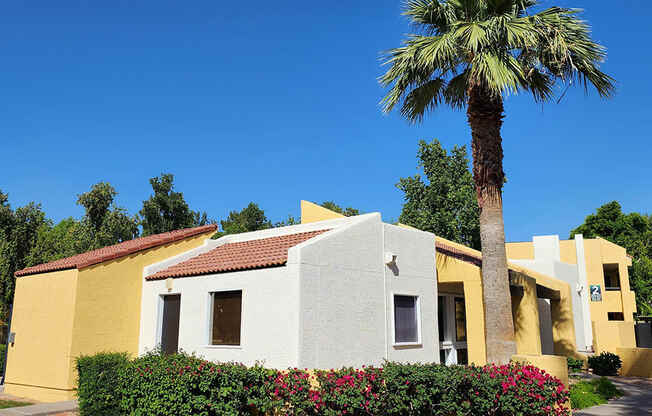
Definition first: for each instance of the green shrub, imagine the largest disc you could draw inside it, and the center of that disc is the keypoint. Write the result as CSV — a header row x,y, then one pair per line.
x,y
586,394
181,384
574,365
605,364
97,390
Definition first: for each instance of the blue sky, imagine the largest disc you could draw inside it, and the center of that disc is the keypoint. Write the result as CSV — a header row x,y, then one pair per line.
x,y
274,102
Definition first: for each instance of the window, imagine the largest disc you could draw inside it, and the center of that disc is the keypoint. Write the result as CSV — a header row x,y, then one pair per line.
x,y
611,277
406,319
615,316
227,318
460,320
441,305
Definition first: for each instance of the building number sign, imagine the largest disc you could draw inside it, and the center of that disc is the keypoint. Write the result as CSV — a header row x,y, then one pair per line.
x,y
596,293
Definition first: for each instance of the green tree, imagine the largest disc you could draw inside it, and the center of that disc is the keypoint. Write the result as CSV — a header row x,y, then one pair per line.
x,y
632,231
444,203
16,243
106,223
473,53
167,210
347,212
250,218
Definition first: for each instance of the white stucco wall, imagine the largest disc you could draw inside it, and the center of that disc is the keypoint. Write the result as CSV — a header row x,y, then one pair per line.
x,y
347,295
269,315
414,274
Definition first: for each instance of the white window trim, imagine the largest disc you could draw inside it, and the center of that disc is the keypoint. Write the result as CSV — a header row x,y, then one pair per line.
x,y
418,342
159,322
209,320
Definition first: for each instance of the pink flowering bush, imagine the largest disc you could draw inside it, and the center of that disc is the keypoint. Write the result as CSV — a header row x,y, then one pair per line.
x,y
512,389
181,384
291,391
350,392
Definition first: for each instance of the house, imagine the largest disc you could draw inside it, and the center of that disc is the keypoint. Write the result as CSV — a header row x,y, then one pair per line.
x,y
603,302
339,292
330,292
82,305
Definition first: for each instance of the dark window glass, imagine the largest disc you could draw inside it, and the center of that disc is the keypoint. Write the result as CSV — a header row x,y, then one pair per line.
x,y
442,356
460,320
615,316
405,319
440,313
227,310
611,277
463,356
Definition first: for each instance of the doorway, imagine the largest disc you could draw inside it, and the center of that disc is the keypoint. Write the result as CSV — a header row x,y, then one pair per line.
x,y
170,324
452,330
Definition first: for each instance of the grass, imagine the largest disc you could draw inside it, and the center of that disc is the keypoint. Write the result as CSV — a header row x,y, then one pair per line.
x,y
592,393
5,404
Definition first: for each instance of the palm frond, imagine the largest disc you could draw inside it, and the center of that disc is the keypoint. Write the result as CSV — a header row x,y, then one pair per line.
x,y
491,44
423,98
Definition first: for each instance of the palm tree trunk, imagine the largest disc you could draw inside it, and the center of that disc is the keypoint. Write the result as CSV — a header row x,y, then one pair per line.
x,y
485,116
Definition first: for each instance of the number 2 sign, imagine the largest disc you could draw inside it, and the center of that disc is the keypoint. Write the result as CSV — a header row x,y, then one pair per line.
x,y
596,293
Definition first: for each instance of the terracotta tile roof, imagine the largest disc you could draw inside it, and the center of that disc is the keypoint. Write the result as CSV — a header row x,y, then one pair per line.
x,y
465,255
116,251
253,254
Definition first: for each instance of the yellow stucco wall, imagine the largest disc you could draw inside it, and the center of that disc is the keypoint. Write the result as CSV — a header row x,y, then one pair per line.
x,y
102,314
312,213
637,362
520,251
525,311
567,251
38,363
598,252
452,272
554,365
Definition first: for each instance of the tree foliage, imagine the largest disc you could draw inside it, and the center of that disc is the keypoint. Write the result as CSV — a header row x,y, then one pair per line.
x,y
443,202
250,218
347,212
19,235
632,231
167,210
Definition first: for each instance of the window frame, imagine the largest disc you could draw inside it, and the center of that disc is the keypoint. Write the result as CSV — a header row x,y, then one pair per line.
x,y
209,319
418,342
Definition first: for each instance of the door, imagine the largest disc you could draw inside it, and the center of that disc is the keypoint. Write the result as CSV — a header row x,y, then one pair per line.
x,y
452,330
170,324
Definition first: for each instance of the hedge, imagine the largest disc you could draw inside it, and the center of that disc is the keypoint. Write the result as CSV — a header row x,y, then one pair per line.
x,y
183,384
605,364
98,381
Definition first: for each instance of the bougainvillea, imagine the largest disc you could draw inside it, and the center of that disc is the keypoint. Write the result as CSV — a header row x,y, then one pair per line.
x,y
182,384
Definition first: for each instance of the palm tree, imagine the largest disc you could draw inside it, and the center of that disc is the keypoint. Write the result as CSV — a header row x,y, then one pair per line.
x,y
473,53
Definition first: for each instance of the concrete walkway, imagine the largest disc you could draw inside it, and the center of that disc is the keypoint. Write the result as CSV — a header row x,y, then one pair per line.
x,y
637,400
41,409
